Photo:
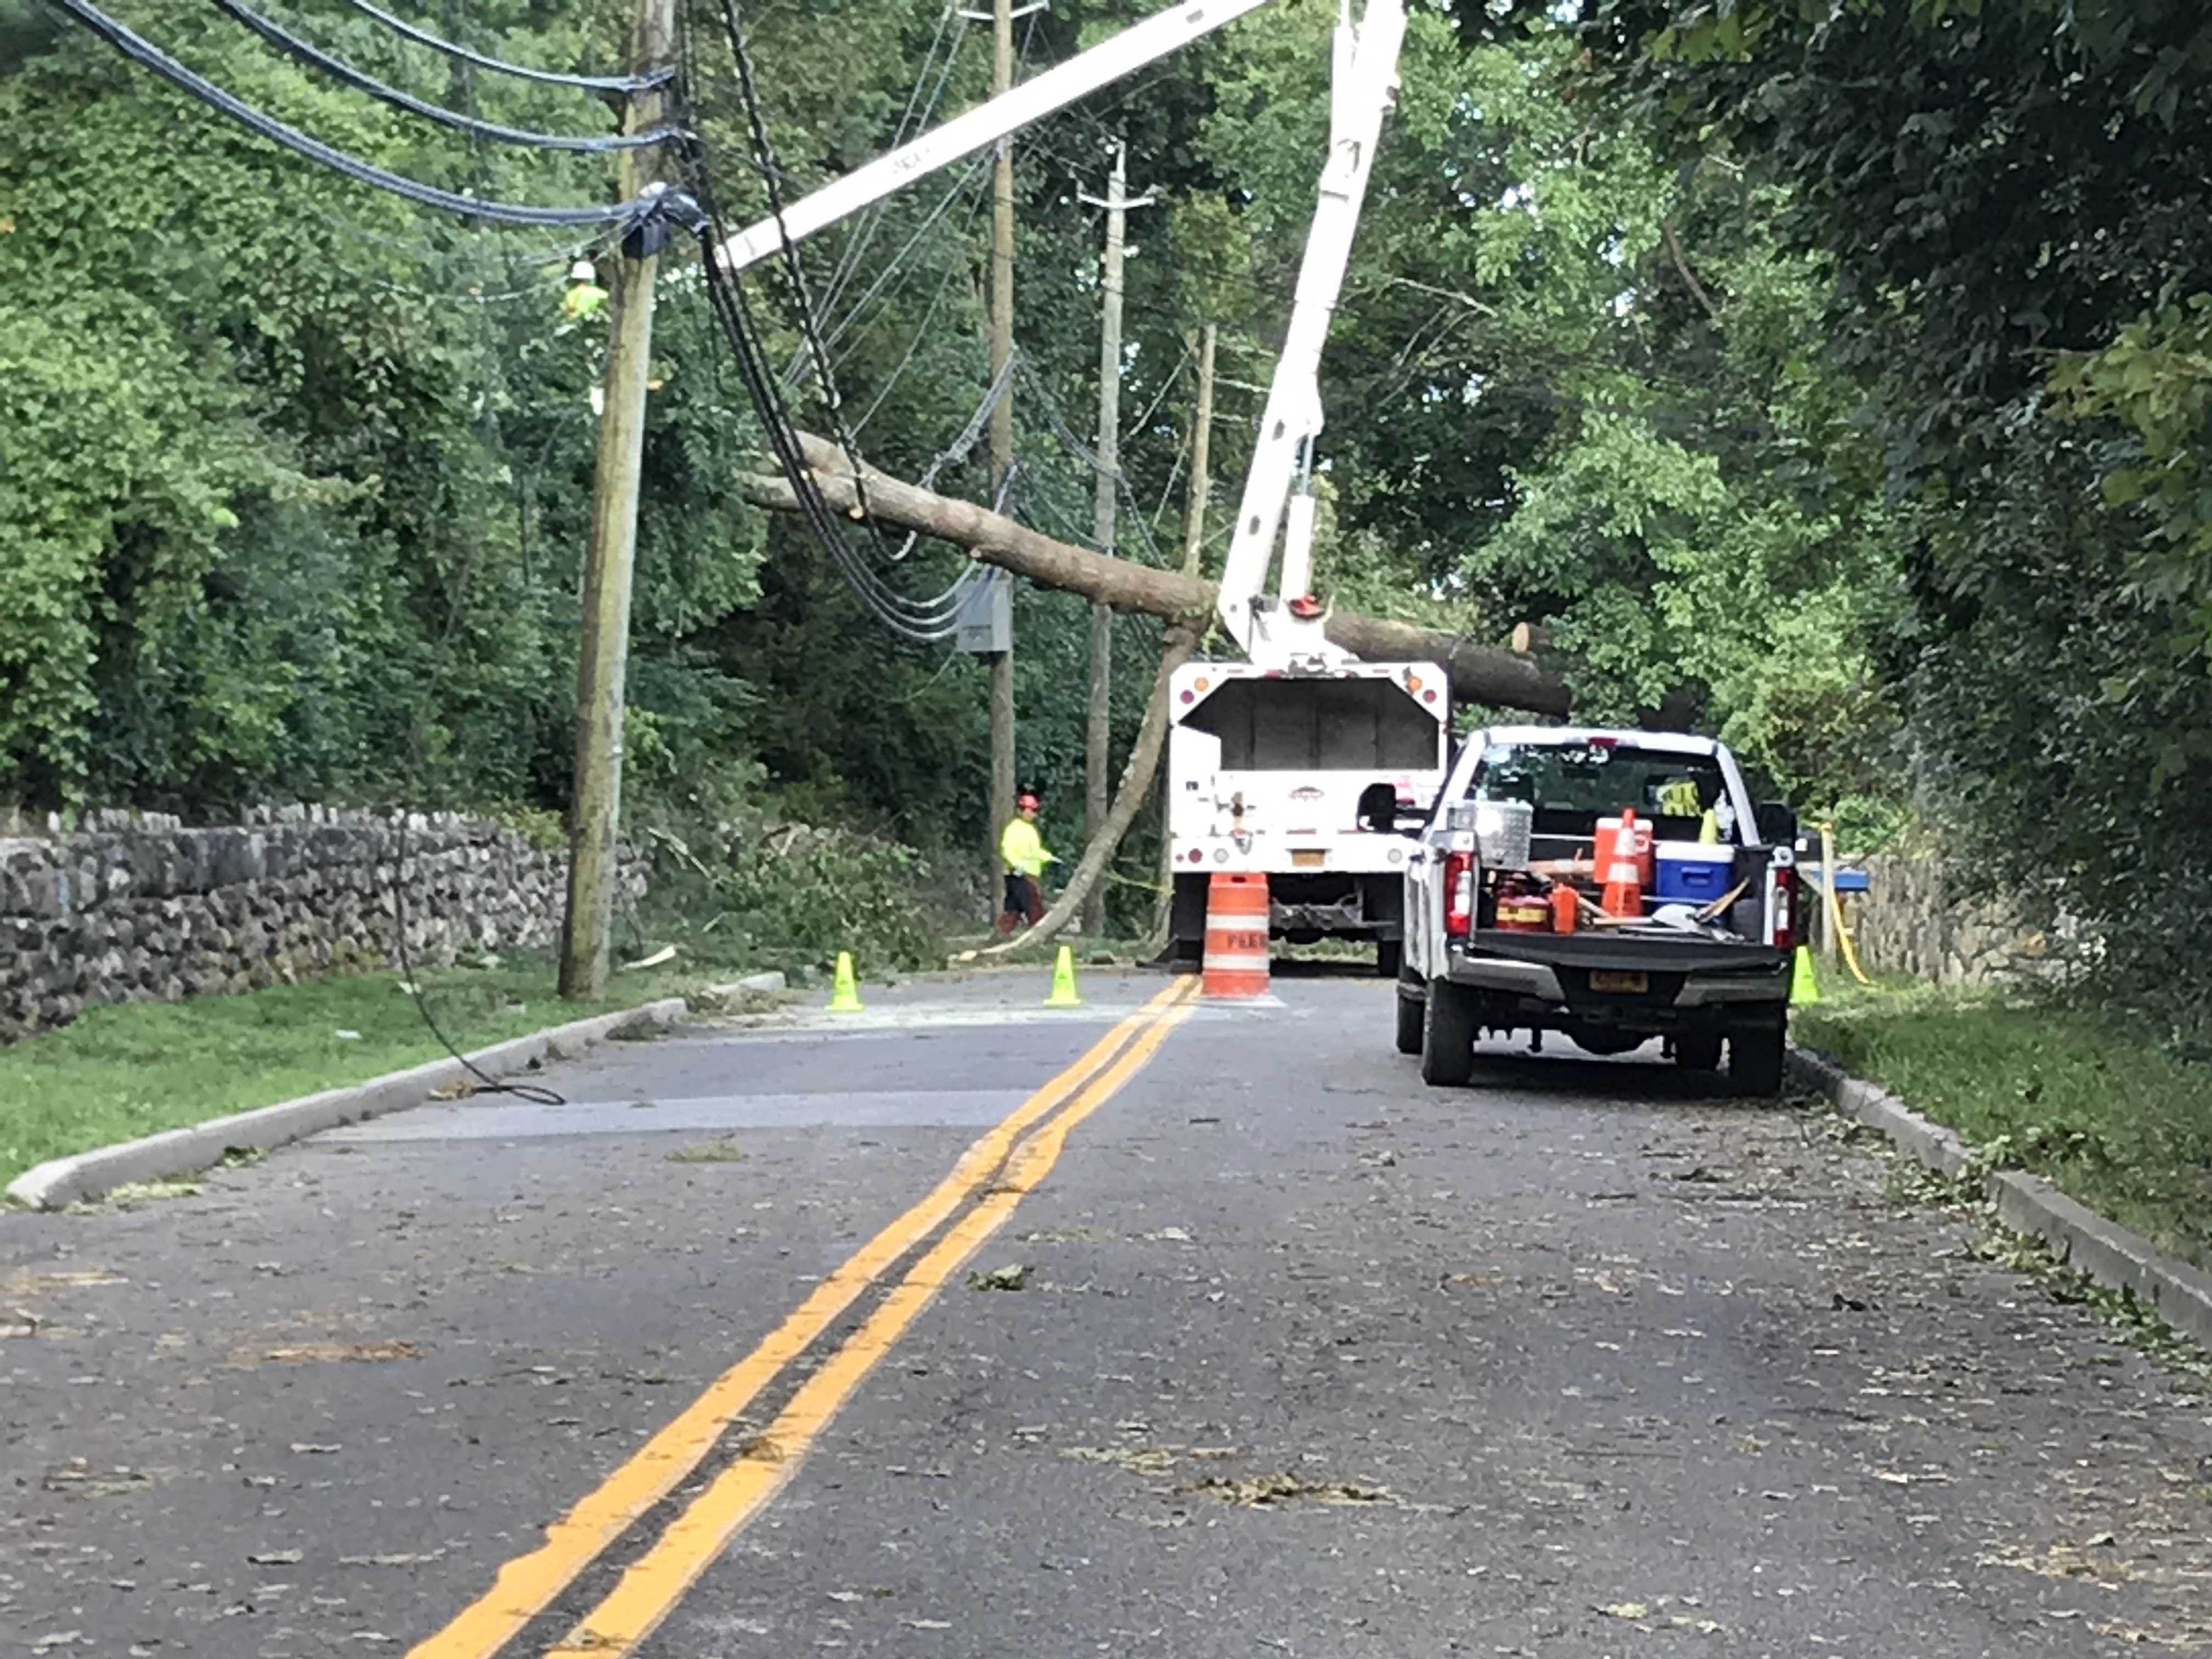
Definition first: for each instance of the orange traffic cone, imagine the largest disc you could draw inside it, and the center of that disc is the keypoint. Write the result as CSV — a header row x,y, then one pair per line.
x,y
1624,882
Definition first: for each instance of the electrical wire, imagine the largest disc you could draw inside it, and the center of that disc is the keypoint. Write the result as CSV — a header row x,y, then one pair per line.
x,y
927,622
148,56
1091,459
486,1084
912,118
794,268
959,449
337,68
920,332
623,83
877,291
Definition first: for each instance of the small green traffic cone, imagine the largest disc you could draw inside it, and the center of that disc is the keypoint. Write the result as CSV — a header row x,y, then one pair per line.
x,y
1063,981
845,996
1804,985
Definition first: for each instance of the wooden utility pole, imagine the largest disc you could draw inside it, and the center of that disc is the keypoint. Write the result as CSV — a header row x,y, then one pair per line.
x,y
1198,497
1002,433
1099,724
595,809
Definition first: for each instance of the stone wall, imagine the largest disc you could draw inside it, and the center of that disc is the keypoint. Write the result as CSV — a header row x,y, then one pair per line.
x,y
127,907
1912,923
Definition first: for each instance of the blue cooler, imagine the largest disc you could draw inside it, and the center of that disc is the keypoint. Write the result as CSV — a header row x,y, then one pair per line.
x,y
1691,872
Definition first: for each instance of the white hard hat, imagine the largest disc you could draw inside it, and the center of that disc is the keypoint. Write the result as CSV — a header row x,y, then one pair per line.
x,y
582,271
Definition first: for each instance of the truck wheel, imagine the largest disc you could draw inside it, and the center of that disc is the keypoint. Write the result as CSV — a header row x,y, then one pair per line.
x,y
1410,1015
1389,958
1447,1034
1755,1060
1697,1051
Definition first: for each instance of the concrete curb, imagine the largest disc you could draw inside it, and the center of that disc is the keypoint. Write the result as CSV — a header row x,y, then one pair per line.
x,y
62,1182
2114,1257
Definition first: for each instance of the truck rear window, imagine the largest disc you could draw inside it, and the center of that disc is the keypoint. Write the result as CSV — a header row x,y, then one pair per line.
x,y
1319,726
1571,786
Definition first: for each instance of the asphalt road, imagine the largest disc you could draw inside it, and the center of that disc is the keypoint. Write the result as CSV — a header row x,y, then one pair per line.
x,y
1267,1350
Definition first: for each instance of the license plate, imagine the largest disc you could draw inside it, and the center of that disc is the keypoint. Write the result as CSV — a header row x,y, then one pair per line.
x,y
1610,979
1301,859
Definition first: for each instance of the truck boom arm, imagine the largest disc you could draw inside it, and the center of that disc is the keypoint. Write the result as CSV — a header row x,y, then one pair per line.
x,y
986,124
1366,62
1363,85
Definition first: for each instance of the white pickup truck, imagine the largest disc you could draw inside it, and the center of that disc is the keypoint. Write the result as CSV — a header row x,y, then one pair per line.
x,y
1519,817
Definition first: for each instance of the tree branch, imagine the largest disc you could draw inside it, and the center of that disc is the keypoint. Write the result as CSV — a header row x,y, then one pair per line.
x,y
1675,252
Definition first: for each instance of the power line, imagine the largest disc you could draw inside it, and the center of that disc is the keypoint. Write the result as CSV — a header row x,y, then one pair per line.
x,y
875,291
920,622
912,118
612,83
338,70
794,268
148,56
1090,458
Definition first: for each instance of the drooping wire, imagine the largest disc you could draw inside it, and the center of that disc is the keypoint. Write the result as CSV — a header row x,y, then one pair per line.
x,y
919,620
923,621
915,117
485,1083
144,53
337,68
1091,458
961,448
794,269
610,83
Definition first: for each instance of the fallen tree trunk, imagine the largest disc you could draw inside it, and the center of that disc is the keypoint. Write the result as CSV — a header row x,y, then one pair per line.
x,y
1479,673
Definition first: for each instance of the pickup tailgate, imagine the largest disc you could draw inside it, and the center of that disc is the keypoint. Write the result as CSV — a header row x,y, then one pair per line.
x,y
1689,955
1597,969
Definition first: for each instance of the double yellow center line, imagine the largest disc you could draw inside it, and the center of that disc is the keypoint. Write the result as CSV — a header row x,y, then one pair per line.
x,y
1020,1151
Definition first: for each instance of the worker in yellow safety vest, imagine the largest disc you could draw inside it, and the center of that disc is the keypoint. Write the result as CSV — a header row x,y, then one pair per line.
x,y
584,299
1023,852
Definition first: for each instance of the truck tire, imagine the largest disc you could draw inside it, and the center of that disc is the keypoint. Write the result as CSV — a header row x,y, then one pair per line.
x,y
1447,1034
1390,958
1697,1051
1410,1015
1755,1060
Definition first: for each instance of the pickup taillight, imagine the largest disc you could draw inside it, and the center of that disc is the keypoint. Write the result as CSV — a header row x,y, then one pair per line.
x,y
1459,894
1783,908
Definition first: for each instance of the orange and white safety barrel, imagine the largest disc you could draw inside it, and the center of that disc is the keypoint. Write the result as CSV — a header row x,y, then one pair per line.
x,y
1235,937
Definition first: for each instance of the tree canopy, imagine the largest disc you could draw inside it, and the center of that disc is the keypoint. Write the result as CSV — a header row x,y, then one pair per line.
x,y
1833,376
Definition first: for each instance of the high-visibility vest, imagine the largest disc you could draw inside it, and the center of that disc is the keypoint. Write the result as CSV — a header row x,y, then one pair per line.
x,y
1023,848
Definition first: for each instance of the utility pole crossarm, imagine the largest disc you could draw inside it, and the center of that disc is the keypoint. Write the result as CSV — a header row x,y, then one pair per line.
x,y
1003,115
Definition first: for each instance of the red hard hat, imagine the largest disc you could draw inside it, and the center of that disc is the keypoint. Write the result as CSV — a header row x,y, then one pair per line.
x,y
1026,802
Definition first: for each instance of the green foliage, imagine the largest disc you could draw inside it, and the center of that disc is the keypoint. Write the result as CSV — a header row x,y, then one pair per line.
x,y
2009,211
751,891
2102,1107
294,486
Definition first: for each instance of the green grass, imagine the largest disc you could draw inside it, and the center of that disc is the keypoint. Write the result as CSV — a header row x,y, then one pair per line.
x,y
136,1068
2089,1100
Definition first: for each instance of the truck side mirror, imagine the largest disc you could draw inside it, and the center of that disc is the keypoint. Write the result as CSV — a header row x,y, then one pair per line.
x,y
1378,809
1778,824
